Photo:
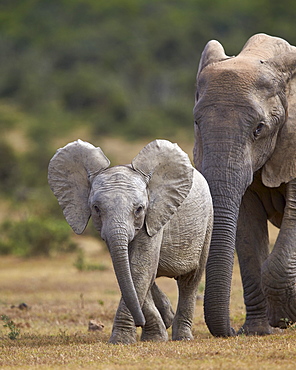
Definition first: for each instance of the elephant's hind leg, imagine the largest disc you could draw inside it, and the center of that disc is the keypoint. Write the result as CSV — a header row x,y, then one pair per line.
x,y
163,305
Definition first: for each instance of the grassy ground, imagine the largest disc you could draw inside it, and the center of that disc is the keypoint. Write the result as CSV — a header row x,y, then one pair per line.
x,y
61,300
53,331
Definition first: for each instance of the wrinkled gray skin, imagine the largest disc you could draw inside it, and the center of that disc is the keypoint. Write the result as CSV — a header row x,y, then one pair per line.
x,y
245,146
156,217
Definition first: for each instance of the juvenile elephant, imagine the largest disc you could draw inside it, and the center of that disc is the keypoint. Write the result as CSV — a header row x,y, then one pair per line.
x,y
245,146
156,218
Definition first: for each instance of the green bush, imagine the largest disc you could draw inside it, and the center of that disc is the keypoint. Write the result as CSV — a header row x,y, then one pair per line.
x,y
82,265
35,237
8,323
9,168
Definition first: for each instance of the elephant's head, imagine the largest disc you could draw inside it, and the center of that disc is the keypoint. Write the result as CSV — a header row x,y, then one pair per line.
x,y
121,199
245,121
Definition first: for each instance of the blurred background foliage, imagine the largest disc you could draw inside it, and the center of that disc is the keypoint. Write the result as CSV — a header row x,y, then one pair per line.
x,y
103,68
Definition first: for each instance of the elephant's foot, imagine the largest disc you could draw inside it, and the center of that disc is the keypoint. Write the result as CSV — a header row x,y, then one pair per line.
x,y
183,336
155,333
181,332
255,327
281,308
123,336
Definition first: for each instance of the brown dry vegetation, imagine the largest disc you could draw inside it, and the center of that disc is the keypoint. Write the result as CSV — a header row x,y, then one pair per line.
x,y
54,330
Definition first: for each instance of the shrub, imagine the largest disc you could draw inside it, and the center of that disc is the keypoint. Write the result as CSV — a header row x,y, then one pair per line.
x,y
82,265
9,168
35,237
8,323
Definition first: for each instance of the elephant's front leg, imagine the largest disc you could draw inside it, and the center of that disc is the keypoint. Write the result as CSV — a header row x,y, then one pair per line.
x,y
252,249
124,330
279,270
155,328
187,286
144,258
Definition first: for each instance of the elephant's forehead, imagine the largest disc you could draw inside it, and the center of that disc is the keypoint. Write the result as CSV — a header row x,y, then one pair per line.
x,y
121,177
234,71
238,65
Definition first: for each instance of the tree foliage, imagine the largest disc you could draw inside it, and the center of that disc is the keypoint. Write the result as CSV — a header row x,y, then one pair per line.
x,y
124,66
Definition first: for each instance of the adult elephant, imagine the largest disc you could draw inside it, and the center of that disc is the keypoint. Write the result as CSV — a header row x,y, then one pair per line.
x,y
245,146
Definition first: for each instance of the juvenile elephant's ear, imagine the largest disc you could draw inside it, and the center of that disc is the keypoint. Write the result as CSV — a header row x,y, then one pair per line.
x,y
70,173
281,167
169,174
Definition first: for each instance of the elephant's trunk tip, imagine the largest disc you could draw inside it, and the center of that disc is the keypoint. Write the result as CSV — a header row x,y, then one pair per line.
x,y
140,321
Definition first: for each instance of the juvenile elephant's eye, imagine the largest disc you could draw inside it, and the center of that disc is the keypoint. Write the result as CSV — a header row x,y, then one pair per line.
x,y
258,130
139,210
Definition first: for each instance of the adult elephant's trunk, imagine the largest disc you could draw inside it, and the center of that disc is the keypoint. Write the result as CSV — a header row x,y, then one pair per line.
x,y
228,179
118,247
219,270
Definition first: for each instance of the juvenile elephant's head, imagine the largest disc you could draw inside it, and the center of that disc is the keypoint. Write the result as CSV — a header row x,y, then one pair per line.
x,y
121,199
245,120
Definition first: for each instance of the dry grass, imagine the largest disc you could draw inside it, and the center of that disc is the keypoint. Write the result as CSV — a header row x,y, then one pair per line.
x,y
54,330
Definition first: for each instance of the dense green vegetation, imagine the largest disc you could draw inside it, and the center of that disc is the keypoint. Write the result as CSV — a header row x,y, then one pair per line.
x,y
118,67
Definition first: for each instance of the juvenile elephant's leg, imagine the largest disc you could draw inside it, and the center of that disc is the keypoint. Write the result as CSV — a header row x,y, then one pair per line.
x,y
163,305
124,330
143,258
187,285
252,249
154,329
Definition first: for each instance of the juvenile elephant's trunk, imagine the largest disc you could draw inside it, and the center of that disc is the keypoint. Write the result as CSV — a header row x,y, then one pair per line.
x,y
118,247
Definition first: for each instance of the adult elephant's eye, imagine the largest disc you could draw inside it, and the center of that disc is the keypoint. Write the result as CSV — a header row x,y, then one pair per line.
x,y
97,209
258,130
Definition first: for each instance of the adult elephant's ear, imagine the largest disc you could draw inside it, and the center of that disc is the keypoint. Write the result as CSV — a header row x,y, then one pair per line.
x,y
70,173
281,167
212,53
168,172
